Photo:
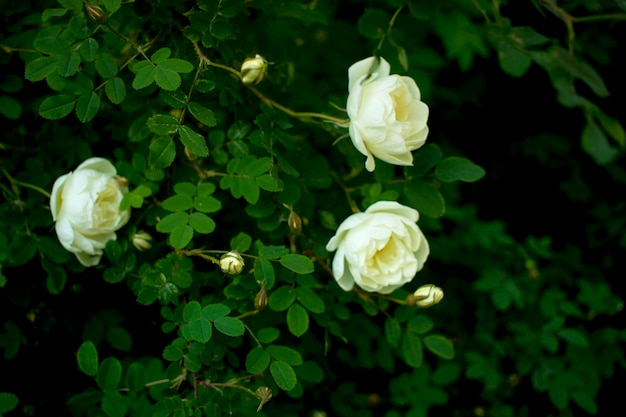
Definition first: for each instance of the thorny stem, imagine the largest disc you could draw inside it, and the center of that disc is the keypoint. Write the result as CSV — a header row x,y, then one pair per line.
x,y
569,20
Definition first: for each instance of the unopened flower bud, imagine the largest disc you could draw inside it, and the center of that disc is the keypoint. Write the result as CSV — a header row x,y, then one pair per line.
x,y
295,222
426,296
264,394
96,13
141,240
253,70
122,181
260,301
231,263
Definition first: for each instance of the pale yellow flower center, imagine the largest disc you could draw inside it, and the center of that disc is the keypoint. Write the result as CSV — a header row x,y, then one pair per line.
x,y
106,207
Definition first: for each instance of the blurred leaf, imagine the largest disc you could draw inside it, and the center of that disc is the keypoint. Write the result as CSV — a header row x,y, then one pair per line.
x,y
393,331
440,346
455,168
596,144
57,107
373,23
575,337
425,198
87,357
8,402
40,68
420,324
412,351
109,374
241,243
285,354
114,404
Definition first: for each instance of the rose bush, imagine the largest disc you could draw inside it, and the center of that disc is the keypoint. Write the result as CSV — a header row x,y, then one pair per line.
x,y
387,117
380,249
85,205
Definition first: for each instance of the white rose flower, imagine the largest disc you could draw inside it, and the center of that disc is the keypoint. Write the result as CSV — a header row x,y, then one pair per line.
x,y
387,117
380,249
85,205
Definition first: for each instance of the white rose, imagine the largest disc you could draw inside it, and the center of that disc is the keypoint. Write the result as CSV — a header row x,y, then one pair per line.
x,y
380,249
85,205
387,117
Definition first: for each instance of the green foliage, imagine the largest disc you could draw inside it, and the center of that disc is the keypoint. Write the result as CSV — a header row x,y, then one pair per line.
x,y
161,328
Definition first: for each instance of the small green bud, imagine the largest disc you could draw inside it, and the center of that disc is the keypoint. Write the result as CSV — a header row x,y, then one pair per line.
x,y
96,13
425,296
253,70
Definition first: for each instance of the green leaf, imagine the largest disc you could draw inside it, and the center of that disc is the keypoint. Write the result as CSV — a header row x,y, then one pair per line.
x,y
109,374
88,50
52,45
166,78
425,198
282,298
57,107
201,223
86,399
207,204
161,55
68,64
176,65
40,68
215,311
105,65
8,402
393,331
119,338
420,324
373,23
202,114
115,90
221,29
297,320
10,108
596,144
112,5
194,141
512,61
230,326
575,337
440,346
198,329
309,299
56,279
87,357
49,13
299,264
192,362
310,371
170,222
163,124
585,401
283,375
87,107
455,168
178,202
269,183
114,404
257,360
180,236
285,354
162,152
135,377
264,272
145,77
412,351
241,243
